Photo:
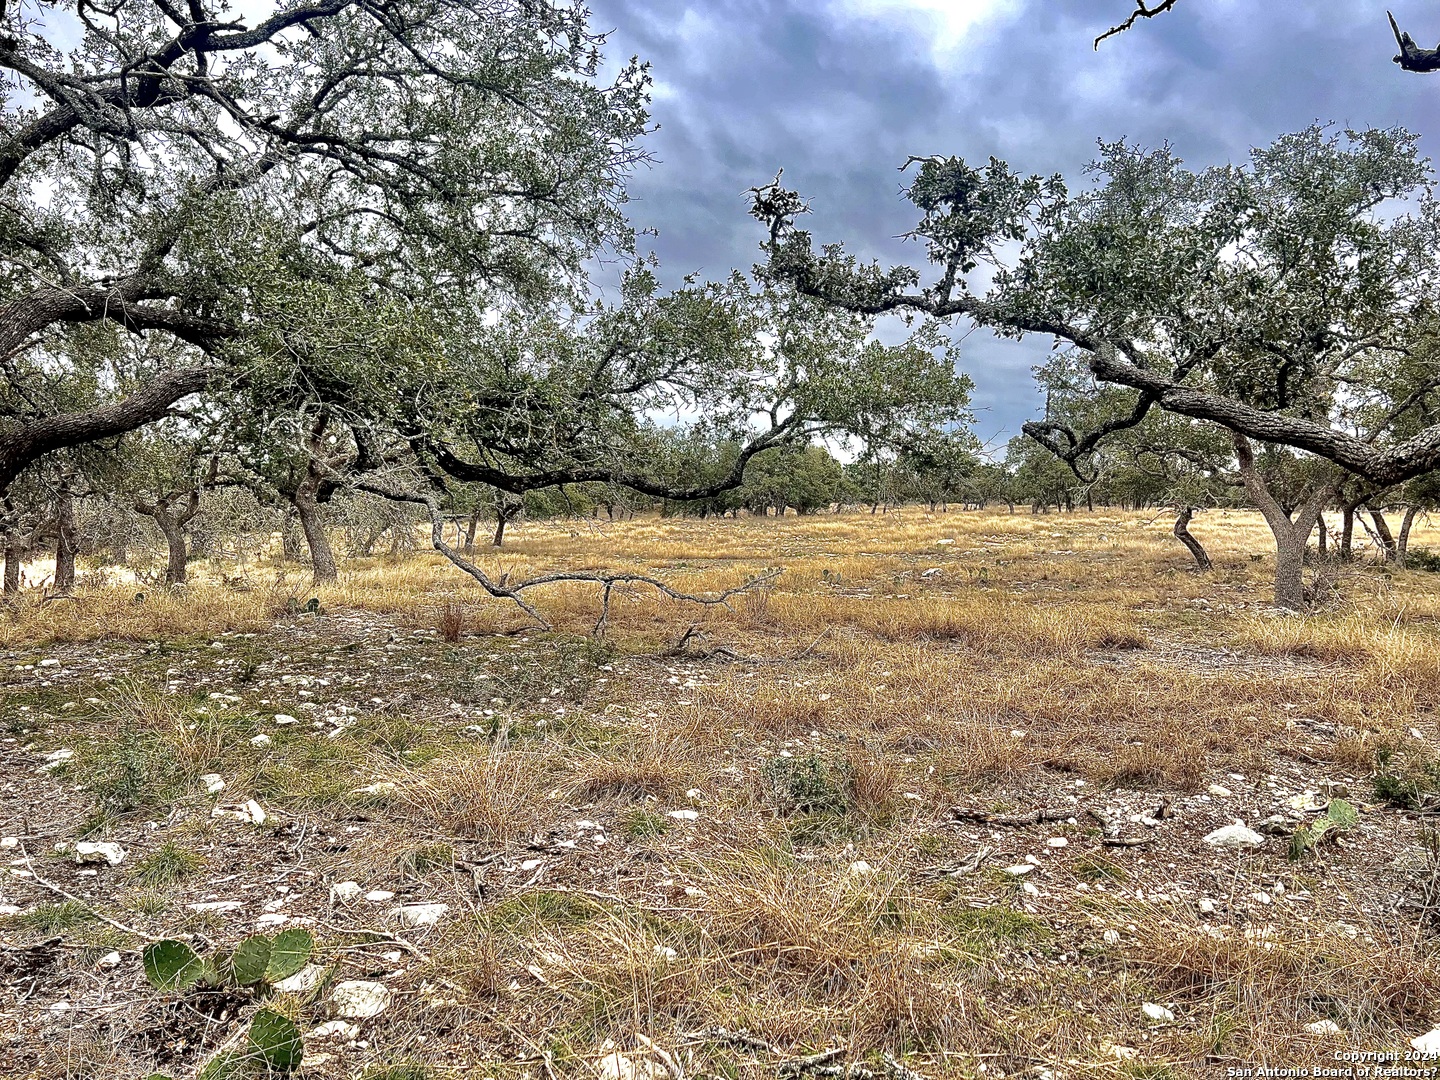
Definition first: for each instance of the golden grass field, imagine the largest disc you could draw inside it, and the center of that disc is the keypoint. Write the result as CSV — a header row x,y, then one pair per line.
x,y
824,893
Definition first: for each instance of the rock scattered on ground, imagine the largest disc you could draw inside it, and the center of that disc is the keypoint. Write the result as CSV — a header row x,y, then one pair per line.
x,y
357,999
1235,836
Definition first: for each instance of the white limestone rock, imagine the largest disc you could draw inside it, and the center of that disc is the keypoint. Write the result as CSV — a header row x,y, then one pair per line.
x,y
420,914
87,851
1235,837
358,999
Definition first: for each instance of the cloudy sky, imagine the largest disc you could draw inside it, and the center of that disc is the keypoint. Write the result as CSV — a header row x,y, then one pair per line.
x,y
839,92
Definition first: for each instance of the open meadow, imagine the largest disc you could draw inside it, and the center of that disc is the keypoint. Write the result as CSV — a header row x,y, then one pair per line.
x,y
940,791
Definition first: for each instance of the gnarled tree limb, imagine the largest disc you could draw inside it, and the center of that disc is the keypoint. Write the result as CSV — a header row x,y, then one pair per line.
x,y
512,591
1142,11
1412,57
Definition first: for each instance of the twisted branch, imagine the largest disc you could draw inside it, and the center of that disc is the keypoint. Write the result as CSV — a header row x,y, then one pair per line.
x,y
504,589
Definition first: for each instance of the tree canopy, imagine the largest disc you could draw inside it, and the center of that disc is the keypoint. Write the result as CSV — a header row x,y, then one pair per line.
x,y
217,180
1288,299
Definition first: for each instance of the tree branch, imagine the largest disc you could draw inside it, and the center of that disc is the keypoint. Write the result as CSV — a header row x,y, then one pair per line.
x,y
1411,56
1142,11
23,445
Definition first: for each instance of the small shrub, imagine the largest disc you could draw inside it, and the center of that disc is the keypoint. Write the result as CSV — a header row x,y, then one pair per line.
x,y
810,784
641,824
167,864
1405,785
452,621
1423,559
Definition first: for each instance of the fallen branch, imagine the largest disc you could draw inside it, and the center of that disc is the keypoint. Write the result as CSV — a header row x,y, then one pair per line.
x,y
505,589
797,1066
742,1039
671,1065
900,1071
969,866
1034,817
378,937
1110,832
75,899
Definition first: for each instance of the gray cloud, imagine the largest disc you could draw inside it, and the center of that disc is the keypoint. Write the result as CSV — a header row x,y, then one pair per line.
x,y
839,99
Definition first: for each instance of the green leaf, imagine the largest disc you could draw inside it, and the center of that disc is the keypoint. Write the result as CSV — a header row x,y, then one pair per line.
x,y
276,1038
1339,818
171,965
1300,843
1343,814
220,969
251,958
226,1066
288,954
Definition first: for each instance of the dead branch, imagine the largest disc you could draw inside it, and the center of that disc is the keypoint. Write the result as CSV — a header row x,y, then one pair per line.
x,y
742,1039
508,590
75,899
376,937
1034,817
1110,832
898,1070
969,866
797,1066
1142,11
672,1066
724,652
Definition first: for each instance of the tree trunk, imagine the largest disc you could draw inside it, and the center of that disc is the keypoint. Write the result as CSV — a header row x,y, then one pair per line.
x,y
322,558
1182,533
172,524
1289,570
65,540
1291,533
1387,539
499,540
179,558
1402,540
289,536
1347,534
470,527
1322,538
13,556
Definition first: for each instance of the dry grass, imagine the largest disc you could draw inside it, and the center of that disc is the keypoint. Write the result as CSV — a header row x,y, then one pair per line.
x,y
485,797
1280,979
658,767
452,621
818,895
